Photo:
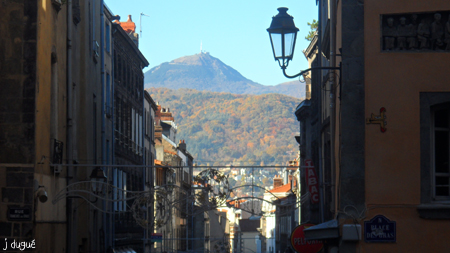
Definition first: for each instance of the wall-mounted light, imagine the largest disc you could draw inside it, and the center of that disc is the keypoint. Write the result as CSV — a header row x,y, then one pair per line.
x,y
98,178
283,35
41,194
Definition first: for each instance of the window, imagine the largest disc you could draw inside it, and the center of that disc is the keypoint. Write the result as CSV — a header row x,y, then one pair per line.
x,y
119,193
108,94
146,122
152,129
107,152
124,194
120,187
133,126
441,141
115,65
94,129
108,38
118,117
116,184
434,155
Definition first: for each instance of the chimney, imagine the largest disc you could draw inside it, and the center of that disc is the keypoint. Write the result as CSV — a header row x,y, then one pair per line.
x,y
130,28
182,145
277,182
291,181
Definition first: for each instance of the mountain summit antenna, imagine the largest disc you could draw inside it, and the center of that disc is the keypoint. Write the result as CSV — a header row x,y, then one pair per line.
x,y
201,48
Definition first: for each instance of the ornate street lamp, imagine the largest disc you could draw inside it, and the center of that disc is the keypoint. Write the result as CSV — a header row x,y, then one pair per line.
x,y
98,179
283,35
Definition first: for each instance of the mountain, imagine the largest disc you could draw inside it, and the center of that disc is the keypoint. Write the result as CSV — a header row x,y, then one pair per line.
x,y
220,128
204,72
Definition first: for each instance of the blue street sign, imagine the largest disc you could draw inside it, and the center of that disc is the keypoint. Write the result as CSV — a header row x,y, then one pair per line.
x,y
156,237
380,229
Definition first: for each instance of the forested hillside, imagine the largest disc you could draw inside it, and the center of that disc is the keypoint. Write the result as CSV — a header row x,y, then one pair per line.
x,y
220,128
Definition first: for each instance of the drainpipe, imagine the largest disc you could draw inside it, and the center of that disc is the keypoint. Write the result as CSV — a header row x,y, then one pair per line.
x,y
70,242
103,134
144,155
102,67
321,187
113,133
333,13
319,61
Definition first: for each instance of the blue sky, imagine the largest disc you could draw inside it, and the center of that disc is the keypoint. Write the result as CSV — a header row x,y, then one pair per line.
x,y
233,31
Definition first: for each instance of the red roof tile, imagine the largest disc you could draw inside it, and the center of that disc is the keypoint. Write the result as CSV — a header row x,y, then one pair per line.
x,y
283,188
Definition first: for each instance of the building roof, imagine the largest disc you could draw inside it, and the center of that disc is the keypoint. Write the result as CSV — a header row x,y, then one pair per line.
x,y
170,152
247,225
283,188
128,26
129,41
164,114
158,162
150,100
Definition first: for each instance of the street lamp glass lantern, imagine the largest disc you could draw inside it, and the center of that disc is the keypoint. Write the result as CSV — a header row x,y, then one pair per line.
x,y
97,179
283,34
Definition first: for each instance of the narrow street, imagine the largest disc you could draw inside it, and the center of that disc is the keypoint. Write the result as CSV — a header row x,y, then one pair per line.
x,y
189,126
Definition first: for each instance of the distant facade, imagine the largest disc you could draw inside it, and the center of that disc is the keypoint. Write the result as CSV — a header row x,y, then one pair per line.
x,y
186,178
279,207
198,234
249,236
128,130
149,160
178,176
217,231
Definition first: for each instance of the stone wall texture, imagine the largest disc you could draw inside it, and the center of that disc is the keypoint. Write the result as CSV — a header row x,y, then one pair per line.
x,y
18,80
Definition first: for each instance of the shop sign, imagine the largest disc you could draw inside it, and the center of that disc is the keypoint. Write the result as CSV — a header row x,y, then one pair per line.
x,y
300,244
311,181
380,229
19,214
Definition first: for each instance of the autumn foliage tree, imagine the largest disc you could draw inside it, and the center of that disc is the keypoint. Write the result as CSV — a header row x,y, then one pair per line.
x,y
221,128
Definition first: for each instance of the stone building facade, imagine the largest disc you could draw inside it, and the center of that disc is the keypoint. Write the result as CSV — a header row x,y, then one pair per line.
x,y
149,157
128,130
385,157
56,122
52,79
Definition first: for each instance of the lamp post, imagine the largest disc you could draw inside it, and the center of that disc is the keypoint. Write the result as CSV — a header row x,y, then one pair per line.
x,y
283,34
97,179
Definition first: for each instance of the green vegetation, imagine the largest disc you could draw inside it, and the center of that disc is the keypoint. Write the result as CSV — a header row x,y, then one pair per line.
x,y
313,26
221,128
